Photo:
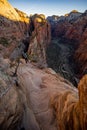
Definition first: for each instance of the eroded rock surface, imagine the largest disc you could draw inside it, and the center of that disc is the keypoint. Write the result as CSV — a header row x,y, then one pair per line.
x,y
71,30
17,29
40,99
13,27
35,99
39,31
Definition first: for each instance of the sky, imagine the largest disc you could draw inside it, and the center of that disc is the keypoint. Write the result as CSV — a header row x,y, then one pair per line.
x,y
49,7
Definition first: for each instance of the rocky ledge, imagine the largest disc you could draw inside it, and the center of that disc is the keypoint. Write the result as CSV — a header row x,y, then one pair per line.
x,y
32,96
40,99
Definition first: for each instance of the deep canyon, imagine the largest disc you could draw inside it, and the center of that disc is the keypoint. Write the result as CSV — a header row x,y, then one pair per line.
x,y
43,70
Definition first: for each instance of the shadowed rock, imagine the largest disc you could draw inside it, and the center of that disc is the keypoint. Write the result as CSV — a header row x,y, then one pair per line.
x,y
71,30
43,100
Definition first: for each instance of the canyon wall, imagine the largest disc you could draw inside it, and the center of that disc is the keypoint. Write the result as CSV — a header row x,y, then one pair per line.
x,y
71,29
32,98
13,27
17,31
39,31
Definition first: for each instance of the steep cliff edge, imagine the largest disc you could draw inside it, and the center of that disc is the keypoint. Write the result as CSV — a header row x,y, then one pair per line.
x,y
71,31
41,99
33,47
33,98
81,52
17,31
13,27
40,36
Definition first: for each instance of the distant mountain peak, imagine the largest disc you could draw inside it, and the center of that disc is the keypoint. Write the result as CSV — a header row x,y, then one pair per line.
x,y
74,11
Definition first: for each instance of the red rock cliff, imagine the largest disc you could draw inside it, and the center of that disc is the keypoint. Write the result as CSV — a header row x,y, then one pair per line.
x,y
16,25
13,25
39,30
81,52
72,28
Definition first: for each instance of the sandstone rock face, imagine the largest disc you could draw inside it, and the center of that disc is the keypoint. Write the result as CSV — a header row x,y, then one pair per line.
x,y
36,99
52,18
83,103
81,52
72,29
81,57
34,45
41,99
65,26
39,31
13,25
8,107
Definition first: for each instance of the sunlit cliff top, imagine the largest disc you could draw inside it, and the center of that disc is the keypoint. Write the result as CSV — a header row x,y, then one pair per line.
x,y
9,12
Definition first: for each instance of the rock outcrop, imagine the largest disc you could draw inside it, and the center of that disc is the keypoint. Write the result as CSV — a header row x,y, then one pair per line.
x,y
33,46
41,99
16,28
81,52
73,113
39,32
33,98
13,26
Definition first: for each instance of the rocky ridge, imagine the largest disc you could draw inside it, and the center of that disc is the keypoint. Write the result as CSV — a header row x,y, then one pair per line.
x,y
13,26
71,30
33,97
39,31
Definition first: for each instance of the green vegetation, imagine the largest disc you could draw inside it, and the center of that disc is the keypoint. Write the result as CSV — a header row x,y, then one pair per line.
x,y
33,58
4,41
